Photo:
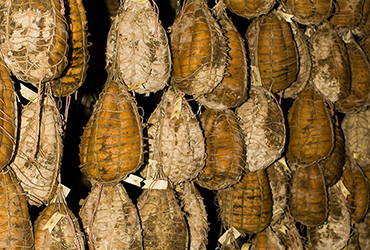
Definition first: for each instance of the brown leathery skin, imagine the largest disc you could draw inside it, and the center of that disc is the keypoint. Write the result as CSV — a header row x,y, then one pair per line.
x,y
111,145
199,50
225,149
250,8
273,51
75,72
311,134
309,12
8,116
247,205
308,202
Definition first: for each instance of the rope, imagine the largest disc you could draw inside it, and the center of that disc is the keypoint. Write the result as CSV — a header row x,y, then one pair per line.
x,y
156,10
37,116
68,102
74,230
149,189
93,215
59,117
62,9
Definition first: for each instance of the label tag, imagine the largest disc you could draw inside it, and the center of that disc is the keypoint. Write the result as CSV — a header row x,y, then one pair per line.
x,y
65,192
155,184
134,180
177,107
287,17
343,188
256,76
282,161
283,229
246,246
137,85
358,156
229,236
28,93
54,219
347,37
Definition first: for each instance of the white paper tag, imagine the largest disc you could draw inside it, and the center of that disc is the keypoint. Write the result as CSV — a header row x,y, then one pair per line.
x,y
347,37
28,93
282,161
358,156
287,17
54,219
134,180
246,246
283,229
155,184
229,236
136,85
65,190
343,188
177,107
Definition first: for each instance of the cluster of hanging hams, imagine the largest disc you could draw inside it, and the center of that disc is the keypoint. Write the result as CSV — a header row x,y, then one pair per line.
x,y
43,46
272,169
285,177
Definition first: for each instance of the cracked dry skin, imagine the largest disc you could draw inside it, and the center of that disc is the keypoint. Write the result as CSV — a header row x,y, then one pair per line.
x,y
74,74
305,63
111,146
279,183
232,91
66,234
115,224
262,123
162,220
176,145
199,50
195,214
8,116
138,49
348,14
225,149
33,36
331,70
335,231
267,240
38,175
356,130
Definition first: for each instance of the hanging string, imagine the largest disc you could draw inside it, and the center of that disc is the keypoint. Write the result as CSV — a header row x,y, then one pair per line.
x,y
156,10
93,215
59,117
174,102
62,9
184,6
68,102
149,190
37,117
74,230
